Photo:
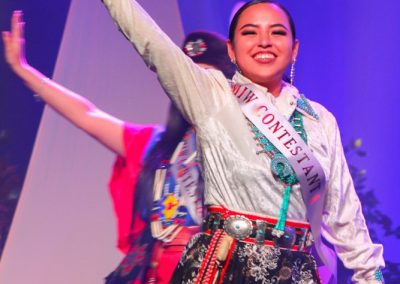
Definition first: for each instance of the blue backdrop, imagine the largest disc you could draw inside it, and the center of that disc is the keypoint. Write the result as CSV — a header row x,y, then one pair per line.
x,y
348,61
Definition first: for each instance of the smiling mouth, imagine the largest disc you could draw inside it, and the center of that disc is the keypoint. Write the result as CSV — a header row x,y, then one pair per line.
x,y
264,57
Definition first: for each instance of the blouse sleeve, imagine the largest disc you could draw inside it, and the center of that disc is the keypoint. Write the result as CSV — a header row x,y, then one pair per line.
x,y
343,221
192,88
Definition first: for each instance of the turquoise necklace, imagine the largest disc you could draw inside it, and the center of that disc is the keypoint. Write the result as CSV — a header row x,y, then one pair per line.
x,y
281,167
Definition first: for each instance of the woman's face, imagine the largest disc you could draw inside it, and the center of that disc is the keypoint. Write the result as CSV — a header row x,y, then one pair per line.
x,y
263,46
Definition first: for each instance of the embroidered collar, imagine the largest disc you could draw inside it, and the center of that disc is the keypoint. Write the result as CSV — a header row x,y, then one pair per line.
x,y
304,106
302,103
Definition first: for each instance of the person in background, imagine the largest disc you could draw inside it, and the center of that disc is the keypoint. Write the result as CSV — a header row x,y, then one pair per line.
x,y
156,186
165,218
275,176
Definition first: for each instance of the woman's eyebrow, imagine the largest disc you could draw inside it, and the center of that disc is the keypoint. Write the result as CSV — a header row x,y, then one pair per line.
x,y
279,25
256,26
249,26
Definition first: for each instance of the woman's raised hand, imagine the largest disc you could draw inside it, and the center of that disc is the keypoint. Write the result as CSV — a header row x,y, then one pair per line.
x,y
75,108
14,42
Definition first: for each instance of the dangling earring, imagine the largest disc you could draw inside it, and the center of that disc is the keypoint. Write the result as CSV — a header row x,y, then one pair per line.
x,y
233,60
292,70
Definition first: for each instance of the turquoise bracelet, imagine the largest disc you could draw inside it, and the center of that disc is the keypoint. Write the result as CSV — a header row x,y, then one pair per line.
x,y
379,276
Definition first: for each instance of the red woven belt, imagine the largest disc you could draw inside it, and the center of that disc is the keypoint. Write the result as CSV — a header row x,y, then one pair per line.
x,y
257,228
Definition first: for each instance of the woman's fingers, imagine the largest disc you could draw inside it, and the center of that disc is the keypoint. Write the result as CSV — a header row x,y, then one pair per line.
x,y
6,37
14,41
17,26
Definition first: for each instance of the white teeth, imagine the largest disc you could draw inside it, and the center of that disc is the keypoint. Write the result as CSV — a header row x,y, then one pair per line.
x,y
264,56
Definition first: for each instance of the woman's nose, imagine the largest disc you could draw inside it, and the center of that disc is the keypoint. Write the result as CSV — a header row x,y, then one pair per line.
x,y
264,40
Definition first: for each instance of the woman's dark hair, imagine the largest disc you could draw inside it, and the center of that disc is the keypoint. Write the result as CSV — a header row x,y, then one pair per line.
x,y
236,17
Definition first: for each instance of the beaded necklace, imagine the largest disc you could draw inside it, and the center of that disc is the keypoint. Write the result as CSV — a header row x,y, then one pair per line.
x,y
280,166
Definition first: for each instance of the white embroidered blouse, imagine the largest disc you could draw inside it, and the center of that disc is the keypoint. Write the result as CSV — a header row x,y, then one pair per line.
x,y
235,176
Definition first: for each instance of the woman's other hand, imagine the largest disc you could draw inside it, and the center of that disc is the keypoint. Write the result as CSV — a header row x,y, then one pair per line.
x,y
14,42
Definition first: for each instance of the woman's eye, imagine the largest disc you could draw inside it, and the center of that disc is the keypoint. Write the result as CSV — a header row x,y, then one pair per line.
x,y
248,32
279,32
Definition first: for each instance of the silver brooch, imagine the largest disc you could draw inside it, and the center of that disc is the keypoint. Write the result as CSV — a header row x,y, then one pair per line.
x,y
195,48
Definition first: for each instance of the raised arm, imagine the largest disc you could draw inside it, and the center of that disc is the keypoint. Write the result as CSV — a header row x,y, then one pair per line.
x,y
188,85
81,112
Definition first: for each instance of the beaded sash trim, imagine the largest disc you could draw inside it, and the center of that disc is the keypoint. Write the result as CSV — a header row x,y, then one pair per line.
x,y
175,192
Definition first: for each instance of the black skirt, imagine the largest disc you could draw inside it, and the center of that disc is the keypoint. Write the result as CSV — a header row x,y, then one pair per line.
x,y
245,263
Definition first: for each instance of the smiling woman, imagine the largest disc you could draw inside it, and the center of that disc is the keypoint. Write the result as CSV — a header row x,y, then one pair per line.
x,y
261,46
267,202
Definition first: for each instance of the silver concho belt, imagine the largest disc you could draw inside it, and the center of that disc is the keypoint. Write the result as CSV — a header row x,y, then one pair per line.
x,y
238,227
241,227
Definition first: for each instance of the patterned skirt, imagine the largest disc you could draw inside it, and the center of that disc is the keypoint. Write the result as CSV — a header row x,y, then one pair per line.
x,y
214,256
246,263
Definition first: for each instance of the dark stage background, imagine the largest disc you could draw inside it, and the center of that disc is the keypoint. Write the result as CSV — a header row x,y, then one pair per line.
x,y
20,112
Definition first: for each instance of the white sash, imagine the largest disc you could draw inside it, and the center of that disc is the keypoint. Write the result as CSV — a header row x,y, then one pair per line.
x,y
308,170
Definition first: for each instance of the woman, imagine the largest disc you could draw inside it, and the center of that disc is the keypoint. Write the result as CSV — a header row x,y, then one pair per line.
x,y
273,164
146,154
